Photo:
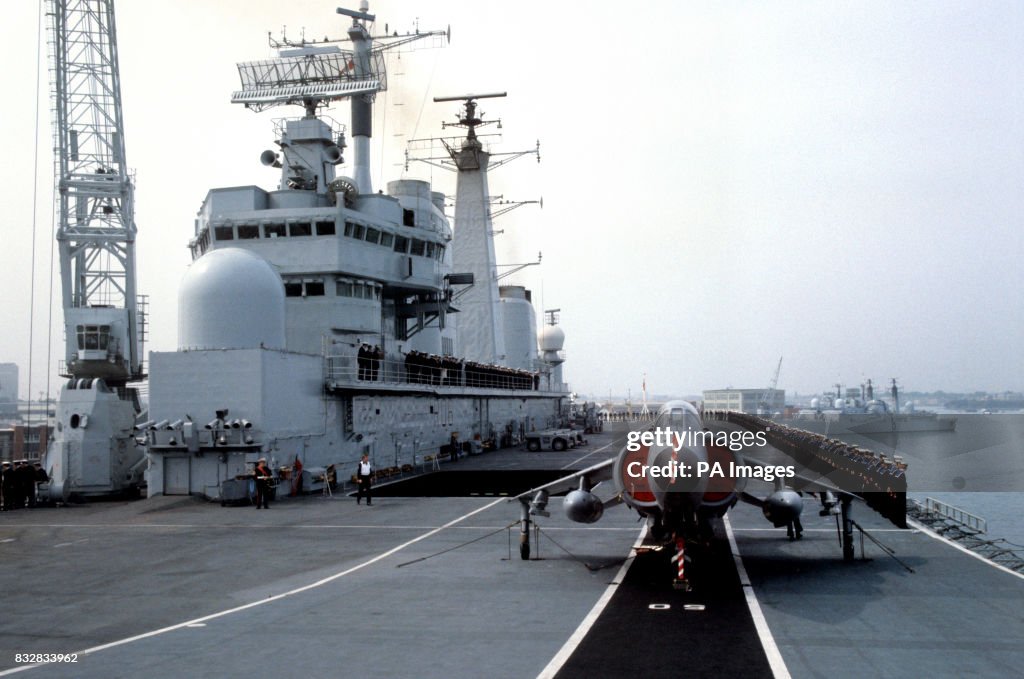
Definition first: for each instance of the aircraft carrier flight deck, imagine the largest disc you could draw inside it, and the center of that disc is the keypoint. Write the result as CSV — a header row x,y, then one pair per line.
x,y
435,587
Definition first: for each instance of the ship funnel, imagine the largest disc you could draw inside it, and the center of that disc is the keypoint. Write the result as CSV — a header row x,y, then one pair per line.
x,y
333,154
269,158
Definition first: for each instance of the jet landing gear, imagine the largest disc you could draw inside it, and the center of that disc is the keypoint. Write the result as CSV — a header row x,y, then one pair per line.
x,y
658,530
845,503
524,538
538,505
679,559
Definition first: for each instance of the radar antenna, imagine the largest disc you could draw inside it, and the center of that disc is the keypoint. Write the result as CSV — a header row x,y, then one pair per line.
x,y
315,73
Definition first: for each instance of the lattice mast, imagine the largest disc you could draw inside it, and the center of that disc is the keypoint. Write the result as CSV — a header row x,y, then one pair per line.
x,y
95,205
480,322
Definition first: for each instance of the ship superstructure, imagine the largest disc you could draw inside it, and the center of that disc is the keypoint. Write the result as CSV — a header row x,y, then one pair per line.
x,y
314,319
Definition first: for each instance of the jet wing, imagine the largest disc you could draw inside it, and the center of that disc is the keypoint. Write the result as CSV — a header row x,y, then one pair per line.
x,y
593,475
805,480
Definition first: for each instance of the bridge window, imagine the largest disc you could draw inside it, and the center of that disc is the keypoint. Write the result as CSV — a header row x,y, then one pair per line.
x,y
418,247
325,228
372,235
314,288
387,239
300,229
401,244
292,289
273,231
223,233
248,231
408,218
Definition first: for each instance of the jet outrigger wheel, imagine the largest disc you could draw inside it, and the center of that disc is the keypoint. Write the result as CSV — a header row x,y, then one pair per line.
x,y
524,534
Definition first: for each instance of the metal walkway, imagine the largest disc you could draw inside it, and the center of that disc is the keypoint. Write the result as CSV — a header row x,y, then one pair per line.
x,y
967,530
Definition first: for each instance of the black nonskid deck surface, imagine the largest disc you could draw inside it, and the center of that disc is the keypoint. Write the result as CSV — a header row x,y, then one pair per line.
x,y
470,483
432,586
633,639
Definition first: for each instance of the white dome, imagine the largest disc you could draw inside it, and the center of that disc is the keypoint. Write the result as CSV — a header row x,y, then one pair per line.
x,y
551,338
231,299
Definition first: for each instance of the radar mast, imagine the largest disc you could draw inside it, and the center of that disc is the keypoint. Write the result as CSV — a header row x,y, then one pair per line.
x,y
314,73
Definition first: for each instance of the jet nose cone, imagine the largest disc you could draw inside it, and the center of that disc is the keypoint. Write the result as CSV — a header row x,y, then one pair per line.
x,y
675,471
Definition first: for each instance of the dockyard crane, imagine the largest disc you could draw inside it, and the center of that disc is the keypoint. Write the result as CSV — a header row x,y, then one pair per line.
x,y
103,319
764,406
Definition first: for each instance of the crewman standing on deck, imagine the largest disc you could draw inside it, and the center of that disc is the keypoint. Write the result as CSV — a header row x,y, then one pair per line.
x,y
40,477
6,485
453,445
262,476
364,470
22,482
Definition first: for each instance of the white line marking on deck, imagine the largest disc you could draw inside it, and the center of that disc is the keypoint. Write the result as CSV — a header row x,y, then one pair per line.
x,y
569,647
297,590
817,530
593,452
775,660
324,526
929,532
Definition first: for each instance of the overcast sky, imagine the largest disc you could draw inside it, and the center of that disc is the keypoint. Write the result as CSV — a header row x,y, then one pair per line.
x,y
724,183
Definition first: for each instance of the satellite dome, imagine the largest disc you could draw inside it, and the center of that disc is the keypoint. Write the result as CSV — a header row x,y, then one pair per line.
x,y
552,338
231,298
876,407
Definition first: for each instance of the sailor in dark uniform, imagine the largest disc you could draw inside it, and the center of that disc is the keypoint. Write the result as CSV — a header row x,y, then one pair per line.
x,y
22,479
453,446
6,485
262,475
40,476
364,470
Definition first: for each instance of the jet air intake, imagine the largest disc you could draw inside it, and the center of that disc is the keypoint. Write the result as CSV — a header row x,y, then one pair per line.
x,y
782,506
582,506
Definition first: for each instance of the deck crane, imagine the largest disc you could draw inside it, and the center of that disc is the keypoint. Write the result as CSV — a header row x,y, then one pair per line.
x,y
764,405
94,451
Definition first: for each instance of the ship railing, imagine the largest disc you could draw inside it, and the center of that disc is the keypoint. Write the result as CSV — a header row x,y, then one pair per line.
x,y
955,514
437,372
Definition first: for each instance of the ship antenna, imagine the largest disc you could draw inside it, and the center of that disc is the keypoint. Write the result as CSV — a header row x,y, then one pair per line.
x,y
314,73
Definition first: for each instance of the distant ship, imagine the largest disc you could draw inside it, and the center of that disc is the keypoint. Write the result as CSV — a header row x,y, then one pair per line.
x,y
859,412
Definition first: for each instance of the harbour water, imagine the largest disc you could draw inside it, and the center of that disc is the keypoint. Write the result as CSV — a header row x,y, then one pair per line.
x,y
979,467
